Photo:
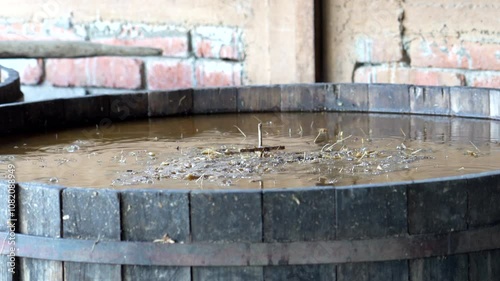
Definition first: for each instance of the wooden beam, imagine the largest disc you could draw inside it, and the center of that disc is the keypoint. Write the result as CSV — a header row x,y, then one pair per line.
x,y
69,49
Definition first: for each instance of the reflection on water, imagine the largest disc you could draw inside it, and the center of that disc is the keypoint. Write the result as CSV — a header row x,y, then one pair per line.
x,y
204,151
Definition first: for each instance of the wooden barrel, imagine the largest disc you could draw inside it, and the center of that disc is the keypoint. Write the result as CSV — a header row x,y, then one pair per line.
x,y
10,85
438,229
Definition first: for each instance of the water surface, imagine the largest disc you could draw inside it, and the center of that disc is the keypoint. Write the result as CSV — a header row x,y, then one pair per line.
x,y
203,152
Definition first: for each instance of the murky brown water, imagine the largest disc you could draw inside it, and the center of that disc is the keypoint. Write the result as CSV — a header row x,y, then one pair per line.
x,y
204,151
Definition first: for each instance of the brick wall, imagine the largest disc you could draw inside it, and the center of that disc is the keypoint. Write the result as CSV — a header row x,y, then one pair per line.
x,y
423,42
202,56
437,62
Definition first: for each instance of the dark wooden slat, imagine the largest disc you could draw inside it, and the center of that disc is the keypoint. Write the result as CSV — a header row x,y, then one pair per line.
x,y
484,265
95,215
85,110
215,100
12,118
176,102
374,271
347,97
293,216
5,274
440,268
304,97
437,206
319,272
389,98
40,214
430,100
227,273
224,217
484,198
128,106
42,115
148,216
470,102
370,213
259,99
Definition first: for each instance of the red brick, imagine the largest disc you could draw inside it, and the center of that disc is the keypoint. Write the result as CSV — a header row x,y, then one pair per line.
x,y
115,72
484,56
108,72
218,42
405,75
237,75
66,72
217,73
204,49
435,78
30,70
454,54
230,53
486,80
209,49
36,31
169,74
171,46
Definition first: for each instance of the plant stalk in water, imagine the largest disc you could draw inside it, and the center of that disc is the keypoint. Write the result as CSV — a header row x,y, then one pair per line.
x,y
259,128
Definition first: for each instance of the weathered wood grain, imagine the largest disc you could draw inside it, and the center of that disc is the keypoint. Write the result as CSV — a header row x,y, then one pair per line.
x,y
91,214
65,49
40,215
4,227
149,216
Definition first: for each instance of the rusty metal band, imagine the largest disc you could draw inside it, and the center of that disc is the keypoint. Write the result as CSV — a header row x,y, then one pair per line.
x,y
253,254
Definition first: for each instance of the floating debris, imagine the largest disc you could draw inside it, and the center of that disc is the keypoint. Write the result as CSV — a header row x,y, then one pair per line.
x,y
72,148
226,164
262,149
322,136
244,135
165,240
471,153
191,177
